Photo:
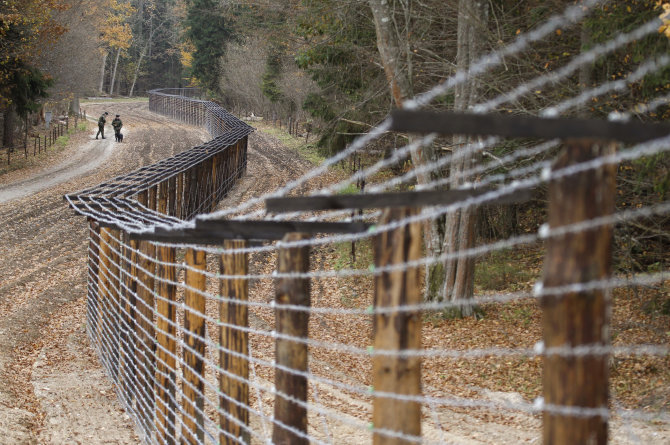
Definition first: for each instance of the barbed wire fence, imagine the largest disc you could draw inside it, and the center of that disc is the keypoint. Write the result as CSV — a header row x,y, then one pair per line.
x,y
207,341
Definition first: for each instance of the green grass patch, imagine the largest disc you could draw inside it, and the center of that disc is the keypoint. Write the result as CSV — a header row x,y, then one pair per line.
x,y
307,151
351,189
62,141
360,258
503,271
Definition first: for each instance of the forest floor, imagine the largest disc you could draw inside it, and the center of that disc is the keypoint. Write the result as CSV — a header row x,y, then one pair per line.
x,y
54,390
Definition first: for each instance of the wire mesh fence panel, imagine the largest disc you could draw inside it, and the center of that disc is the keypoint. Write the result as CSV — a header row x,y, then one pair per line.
x,y
242,325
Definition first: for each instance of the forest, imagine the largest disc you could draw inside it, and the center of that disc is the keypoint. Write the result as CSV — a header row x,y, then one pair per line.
x,y
339,67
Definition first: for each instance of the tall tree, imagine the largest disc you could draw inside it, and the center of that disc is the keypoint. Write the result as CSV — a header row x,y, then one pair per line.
x,y
339,52
208,30
460,226
394,49
116,33
393,24
25,27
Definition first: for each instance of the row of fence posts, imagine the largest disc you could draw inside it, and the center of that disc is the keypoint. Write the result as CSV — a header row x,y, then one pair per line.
x,y
293,126
574,319
135,365
42,142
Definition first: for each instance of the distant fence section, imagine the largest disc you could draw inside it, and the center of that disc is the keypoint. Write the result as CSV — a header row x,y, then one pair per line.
x,y
183,105
122,320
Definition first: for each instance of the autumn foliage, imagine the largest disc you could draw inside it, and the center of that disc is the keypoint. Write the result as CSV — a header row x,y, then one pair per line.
x,y
26,26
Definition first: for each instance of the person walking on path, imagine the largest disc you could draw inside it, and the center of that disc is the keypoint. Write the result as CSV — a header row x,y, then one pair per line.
x,y
101,125
117,124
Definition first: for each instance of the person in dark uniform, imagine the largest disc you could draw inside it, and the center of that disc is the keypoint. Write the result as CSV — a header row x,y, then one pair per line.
x,y
117,124
101,125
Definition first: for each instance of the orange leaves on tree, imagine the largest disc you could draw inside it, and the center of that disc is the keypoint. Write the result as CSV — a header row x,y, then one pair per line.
x,y
186,50
115,30
665,17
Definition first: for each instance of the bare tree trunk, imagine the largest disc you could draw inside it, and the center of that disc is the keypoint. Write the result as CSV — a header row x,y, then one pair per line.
x,y
10,127
74,105
393,50
460,225
25,133
116,64
137,70
139,62
102,72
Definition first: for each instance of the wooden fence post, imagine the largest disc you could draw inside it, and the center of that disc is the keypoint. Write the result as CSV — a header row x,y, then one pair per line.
x,y
128,362
114,299
573,319
146,346
290,354
166,365
194,347
152,200
162,197
172,196
234,347
93,273
396,331
179,198
187,197
166,332
103,285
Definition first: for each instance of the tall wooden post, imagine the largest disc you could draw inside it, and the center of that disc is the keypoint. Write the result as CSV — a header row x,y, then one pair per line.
x,y
152,197
397,331
290,354
187,195
146,346
172,196
103,289
573,319
166,332
114,299
216,180
194,347
93,273
179,198
196,188
162,198
233,342
128,360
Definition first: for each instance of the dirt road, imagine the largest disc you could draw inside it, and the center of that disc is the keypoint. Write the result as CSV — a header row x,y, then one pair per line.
x,y
52,388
